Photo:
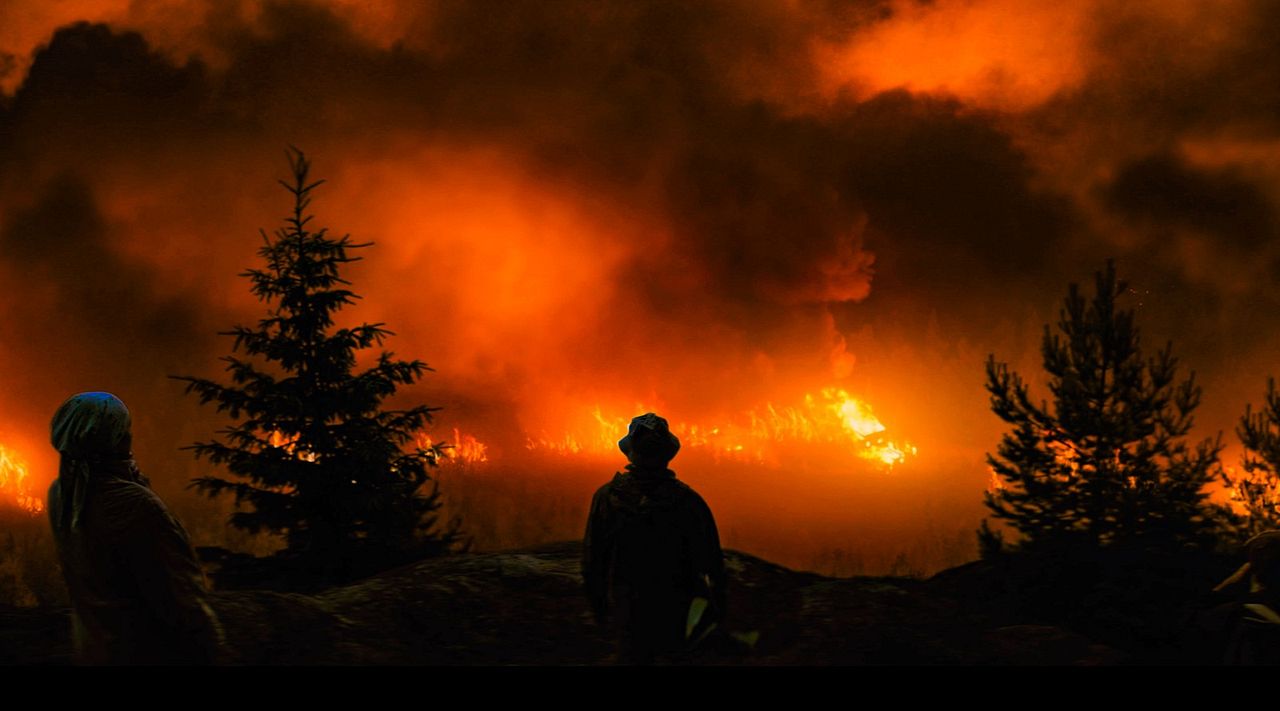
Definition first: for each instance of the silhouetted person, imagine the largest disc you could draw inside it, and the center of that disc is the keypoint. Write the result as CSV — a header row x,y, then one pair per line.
x,y
650,548
138,595
1251,615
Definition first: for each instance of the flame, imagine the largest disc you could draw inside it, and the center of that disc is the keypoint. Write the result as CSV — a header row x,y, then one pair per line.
x,y
858,418
465,448
15,483
995,485
832,416
289,444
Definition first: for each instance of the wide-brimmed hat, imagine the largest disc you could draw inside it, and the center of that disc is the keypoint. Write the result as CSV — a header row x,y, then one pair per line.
x,y
649,441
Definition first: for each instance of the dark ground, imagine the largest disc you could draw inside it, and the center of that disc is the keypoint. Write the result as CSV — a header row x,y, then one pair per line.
x,y
526,607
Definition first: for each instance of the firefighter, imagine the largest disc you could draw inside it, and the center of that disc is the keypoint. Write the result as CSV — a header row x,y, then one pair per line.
x,y
651,554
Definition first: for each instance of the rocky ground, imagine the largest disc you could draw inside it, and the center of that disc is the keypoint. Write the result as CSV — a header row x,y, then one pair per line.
x,y
526,607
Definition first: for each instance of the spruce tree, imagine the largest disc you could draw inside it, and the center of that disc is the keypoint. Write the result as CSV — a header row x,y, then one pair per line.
x,y
1258,487
1106,462
315,457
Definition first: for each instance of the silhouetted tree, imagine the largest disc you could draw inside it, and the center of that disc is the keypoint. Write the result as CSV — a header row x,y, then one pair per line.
x,y
1106,462
1258,487
315,455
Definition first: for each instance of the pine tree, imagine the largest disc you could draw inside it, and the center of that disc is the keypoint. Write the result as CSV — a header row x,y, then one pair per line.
x,y
1107,463
314,455
1258,488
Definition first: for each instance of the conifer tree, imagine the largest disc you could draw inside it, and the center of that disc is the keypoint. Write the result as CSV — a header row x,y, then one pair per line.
x,y
1106,461
314,455
1258,487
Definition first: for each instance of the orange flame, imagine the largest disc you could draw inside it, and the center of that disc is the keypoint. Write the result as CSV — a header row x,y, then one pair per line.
x,y
465,448
995,485
833,417
15,483
289,444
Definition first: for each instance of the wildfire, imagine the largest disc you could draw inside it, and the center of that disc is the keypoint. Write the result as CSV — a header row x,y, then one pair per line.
x,y
15,483
832,417
464,448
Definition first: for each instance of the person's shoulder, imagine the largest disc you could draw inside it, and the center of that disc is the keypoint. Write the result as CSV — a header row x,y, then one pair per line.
x,y
133,501
120,511
684,488
690,496
604,489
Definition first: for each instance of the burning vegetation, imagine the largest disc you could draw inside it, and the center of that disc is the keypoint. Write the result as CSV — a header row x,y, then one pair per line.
x,y
769,434
17,488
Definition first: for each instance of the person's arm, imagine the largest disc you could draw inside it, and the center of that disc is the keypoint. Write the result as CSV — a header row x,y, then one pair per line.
x,y
595,551
170,580
709,557
1235,582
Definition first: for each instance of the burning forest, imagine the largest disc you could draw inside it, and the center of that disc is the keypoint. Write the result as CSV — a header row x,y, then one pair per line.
x,y
795,229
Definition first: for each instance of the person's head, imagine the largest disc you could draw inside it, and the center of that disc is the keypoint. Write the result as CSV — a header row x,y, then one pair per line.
x,y
91,432
649,442
92,425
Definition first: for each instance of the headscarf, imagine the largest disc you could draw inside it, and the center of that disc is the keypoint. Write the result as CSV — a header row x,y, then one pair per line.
x,y
649,442
91,432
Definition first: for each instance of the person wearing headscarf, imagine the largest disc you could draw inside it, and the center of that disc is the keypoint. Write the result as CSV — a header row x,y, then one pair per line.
x,y
651,560
138,594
